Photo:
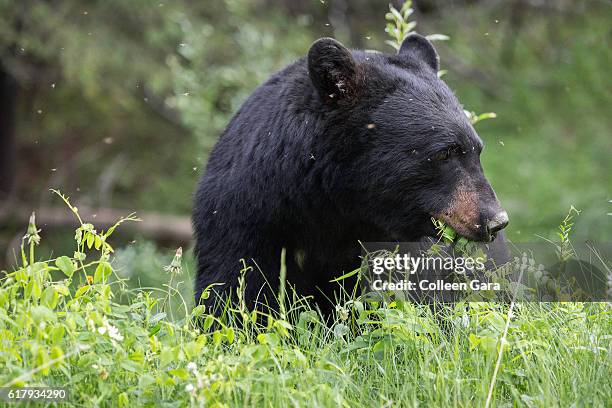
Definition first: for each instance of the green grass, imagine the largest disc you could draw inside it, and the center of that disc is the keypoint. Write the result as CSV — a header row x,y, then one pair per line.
x,y
74,322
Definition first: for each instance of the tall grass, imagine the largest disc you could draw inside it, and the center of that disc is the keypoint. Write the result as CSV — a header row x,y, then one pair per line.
x,y
61,325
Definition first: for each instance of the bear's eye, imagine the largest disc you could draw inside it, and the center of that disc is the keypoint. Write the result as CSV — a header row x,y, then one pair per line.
x,y
443,155
446,154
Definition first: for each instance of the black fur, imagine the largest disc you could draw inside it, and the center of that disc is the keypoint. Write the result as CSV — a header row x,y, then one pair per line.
x,y
417,46
338,147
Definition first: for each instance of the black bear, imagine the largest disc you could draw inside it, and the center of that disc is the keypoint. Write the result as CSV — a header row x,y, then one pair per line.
x,y
339,147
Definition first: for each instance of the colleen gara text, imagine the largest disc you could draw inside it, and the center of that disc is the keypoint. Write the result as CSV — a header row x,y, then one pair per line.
x,y
437,285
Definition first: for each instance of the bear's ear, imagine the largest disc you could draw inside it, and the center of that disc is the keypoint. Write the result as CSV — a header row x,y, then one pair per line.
x,y
419,47
332,70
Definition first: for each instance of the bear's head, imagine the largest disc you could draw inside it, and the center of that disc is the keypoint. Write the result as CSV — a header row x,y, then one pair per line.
x,y
403,148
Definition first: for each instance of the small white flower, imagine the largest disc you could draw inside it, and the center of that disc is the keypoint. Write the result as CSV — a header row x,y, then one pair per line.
x,y
113,333
342,312
176,267
192,366
189,388
107,328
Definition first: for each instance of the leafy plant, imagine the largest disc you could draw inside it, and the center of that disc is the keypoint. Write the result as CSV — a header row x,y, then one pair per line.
x,y
398,24
399,27
475,118
61,326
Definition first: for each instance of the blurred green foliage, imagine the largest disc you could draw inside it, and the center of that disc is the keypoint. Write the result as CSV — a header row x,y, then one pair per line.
x,y
142,263
550,146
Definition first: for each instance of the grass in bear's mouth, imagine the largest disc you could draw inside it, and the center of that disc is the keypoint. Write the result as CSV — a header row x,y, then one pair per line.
x,y
449,235
446,232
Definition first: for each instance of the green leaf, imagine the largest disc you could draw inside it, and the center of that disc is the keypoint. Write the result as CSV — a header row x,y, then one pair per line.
x,y
271,339
483,116
110,231
193,349
65,265
208,322
230,335
340,330
198,311
381,347
137,356
157,318
438,37
167,356
42,314
21,275
145,380
449,233
396,14
97,242
81,291
49,297
407,7
90,240
56,353
56,334
103,271
33,290
346,275
155,329
130,365
181,373
4,299
393,44
86,360
283,327
123,400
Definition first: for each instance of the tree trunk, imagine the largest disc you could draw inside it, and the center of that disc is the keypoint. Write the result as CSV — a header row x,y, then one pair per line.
x,y
8,110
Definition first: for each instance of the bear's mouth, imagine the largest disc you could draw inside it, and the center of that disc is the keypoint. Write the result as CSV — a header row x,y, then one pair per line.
x,y
470,231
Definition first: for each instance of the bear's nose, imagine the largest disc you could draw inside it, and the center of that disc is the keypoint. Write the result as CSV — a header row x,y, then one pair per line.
x,y
497,223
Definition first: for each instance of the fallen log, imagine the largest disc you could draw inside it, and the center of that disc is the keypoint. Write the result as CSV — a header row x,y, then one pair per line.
x,y
161,227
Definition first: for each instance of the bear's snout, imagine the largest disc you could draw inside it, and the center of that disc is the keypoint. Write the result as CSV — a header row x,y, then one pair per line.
x,y
493,217
475,215
497,223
